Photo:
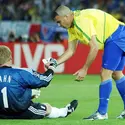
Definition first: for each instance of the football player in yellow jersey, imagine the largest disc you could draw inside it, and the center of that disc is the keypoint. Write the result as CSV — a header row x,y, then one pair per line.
x,y
99,30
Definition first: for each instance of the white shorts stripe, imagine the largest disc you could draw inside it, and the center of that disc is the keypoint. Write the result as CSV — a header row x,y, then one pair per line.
x,y
37,111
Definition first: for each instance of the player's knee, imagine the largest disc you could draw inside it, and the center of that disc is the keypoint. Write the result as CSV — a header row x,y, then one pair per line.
x,y
117,75
114,76
48,108
106,74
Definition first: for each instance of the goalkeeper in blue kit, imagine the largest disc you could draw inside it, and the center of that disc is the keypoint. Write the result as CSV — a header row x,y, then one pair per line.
x,y
19,85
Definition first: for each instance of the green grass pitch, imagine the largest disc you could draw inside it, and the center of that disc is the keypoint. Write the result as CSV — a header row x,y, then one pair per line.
x,y
64,89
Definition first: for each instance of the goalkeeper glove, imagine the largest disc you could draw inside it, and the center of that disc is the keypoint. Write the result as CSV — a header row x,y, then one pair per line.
x,y
52,63
35,93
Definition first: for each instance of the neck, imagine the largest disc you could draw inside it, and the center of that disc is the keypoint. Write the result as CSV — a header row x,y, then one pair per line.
x,y
7,64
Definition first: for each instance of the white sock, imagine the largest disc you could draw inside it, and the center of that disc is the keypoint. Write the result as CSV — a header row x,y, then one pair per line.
x,y
57,112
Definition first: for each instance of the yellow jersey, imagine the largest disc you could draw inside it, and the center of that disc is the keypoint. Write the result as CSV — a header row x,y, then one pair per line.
x,y
91,22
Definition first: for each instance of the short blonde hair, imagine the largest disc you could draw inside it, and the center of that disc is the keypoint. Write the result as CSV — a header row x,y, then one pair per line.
x,y
63,10
5,54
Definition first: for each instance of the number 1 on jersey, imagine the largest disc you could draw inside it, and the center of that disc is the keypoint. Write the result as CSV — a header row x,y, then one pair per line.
x,y
5,100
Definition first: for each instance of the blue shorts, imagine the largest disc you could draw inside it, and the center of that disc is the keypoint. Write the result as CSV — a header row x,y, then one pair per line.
x,y
114,51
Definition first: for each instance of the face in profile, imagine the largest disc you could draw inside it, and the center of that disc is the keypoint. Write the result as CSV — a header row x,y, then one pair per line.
x,y
63,21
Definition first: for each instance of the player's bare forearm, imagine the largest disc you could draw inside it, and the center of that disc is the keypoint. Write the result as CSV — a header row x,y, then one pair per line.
x,y
91,57
68,53
65,56
92,53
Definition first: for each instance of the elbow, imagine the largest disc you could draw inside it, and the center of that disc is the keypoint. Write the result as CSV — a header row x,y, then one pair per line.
x,y
95,49
44,84
47,83
69,53
72,53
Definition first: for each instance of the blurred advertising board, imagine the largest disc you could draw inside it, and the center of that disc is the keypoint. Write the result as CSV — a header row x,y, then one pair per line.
x,y
31,54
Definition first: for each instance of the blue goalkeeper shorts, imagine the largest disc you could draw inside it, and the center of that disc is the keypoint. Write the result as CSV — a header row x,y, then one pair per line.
x,y
114,51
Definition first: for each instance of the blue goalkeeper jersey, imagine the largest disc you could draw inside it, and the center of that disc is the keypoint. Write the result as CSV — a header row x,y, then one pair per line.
x,y
16,85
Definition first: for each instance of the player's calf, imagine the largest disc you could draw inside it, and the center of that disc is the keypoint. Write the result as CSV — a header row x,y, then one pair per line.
x,y
63,112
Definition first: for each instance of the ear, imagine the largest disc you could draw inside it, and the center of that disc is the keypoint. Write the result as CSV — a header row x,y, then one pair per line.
x,y
67,16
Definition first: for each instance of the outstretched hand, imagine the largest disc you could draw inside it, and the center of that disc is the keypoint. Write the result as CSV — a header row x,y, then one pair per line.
x,y
80,74
50,63
46,63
